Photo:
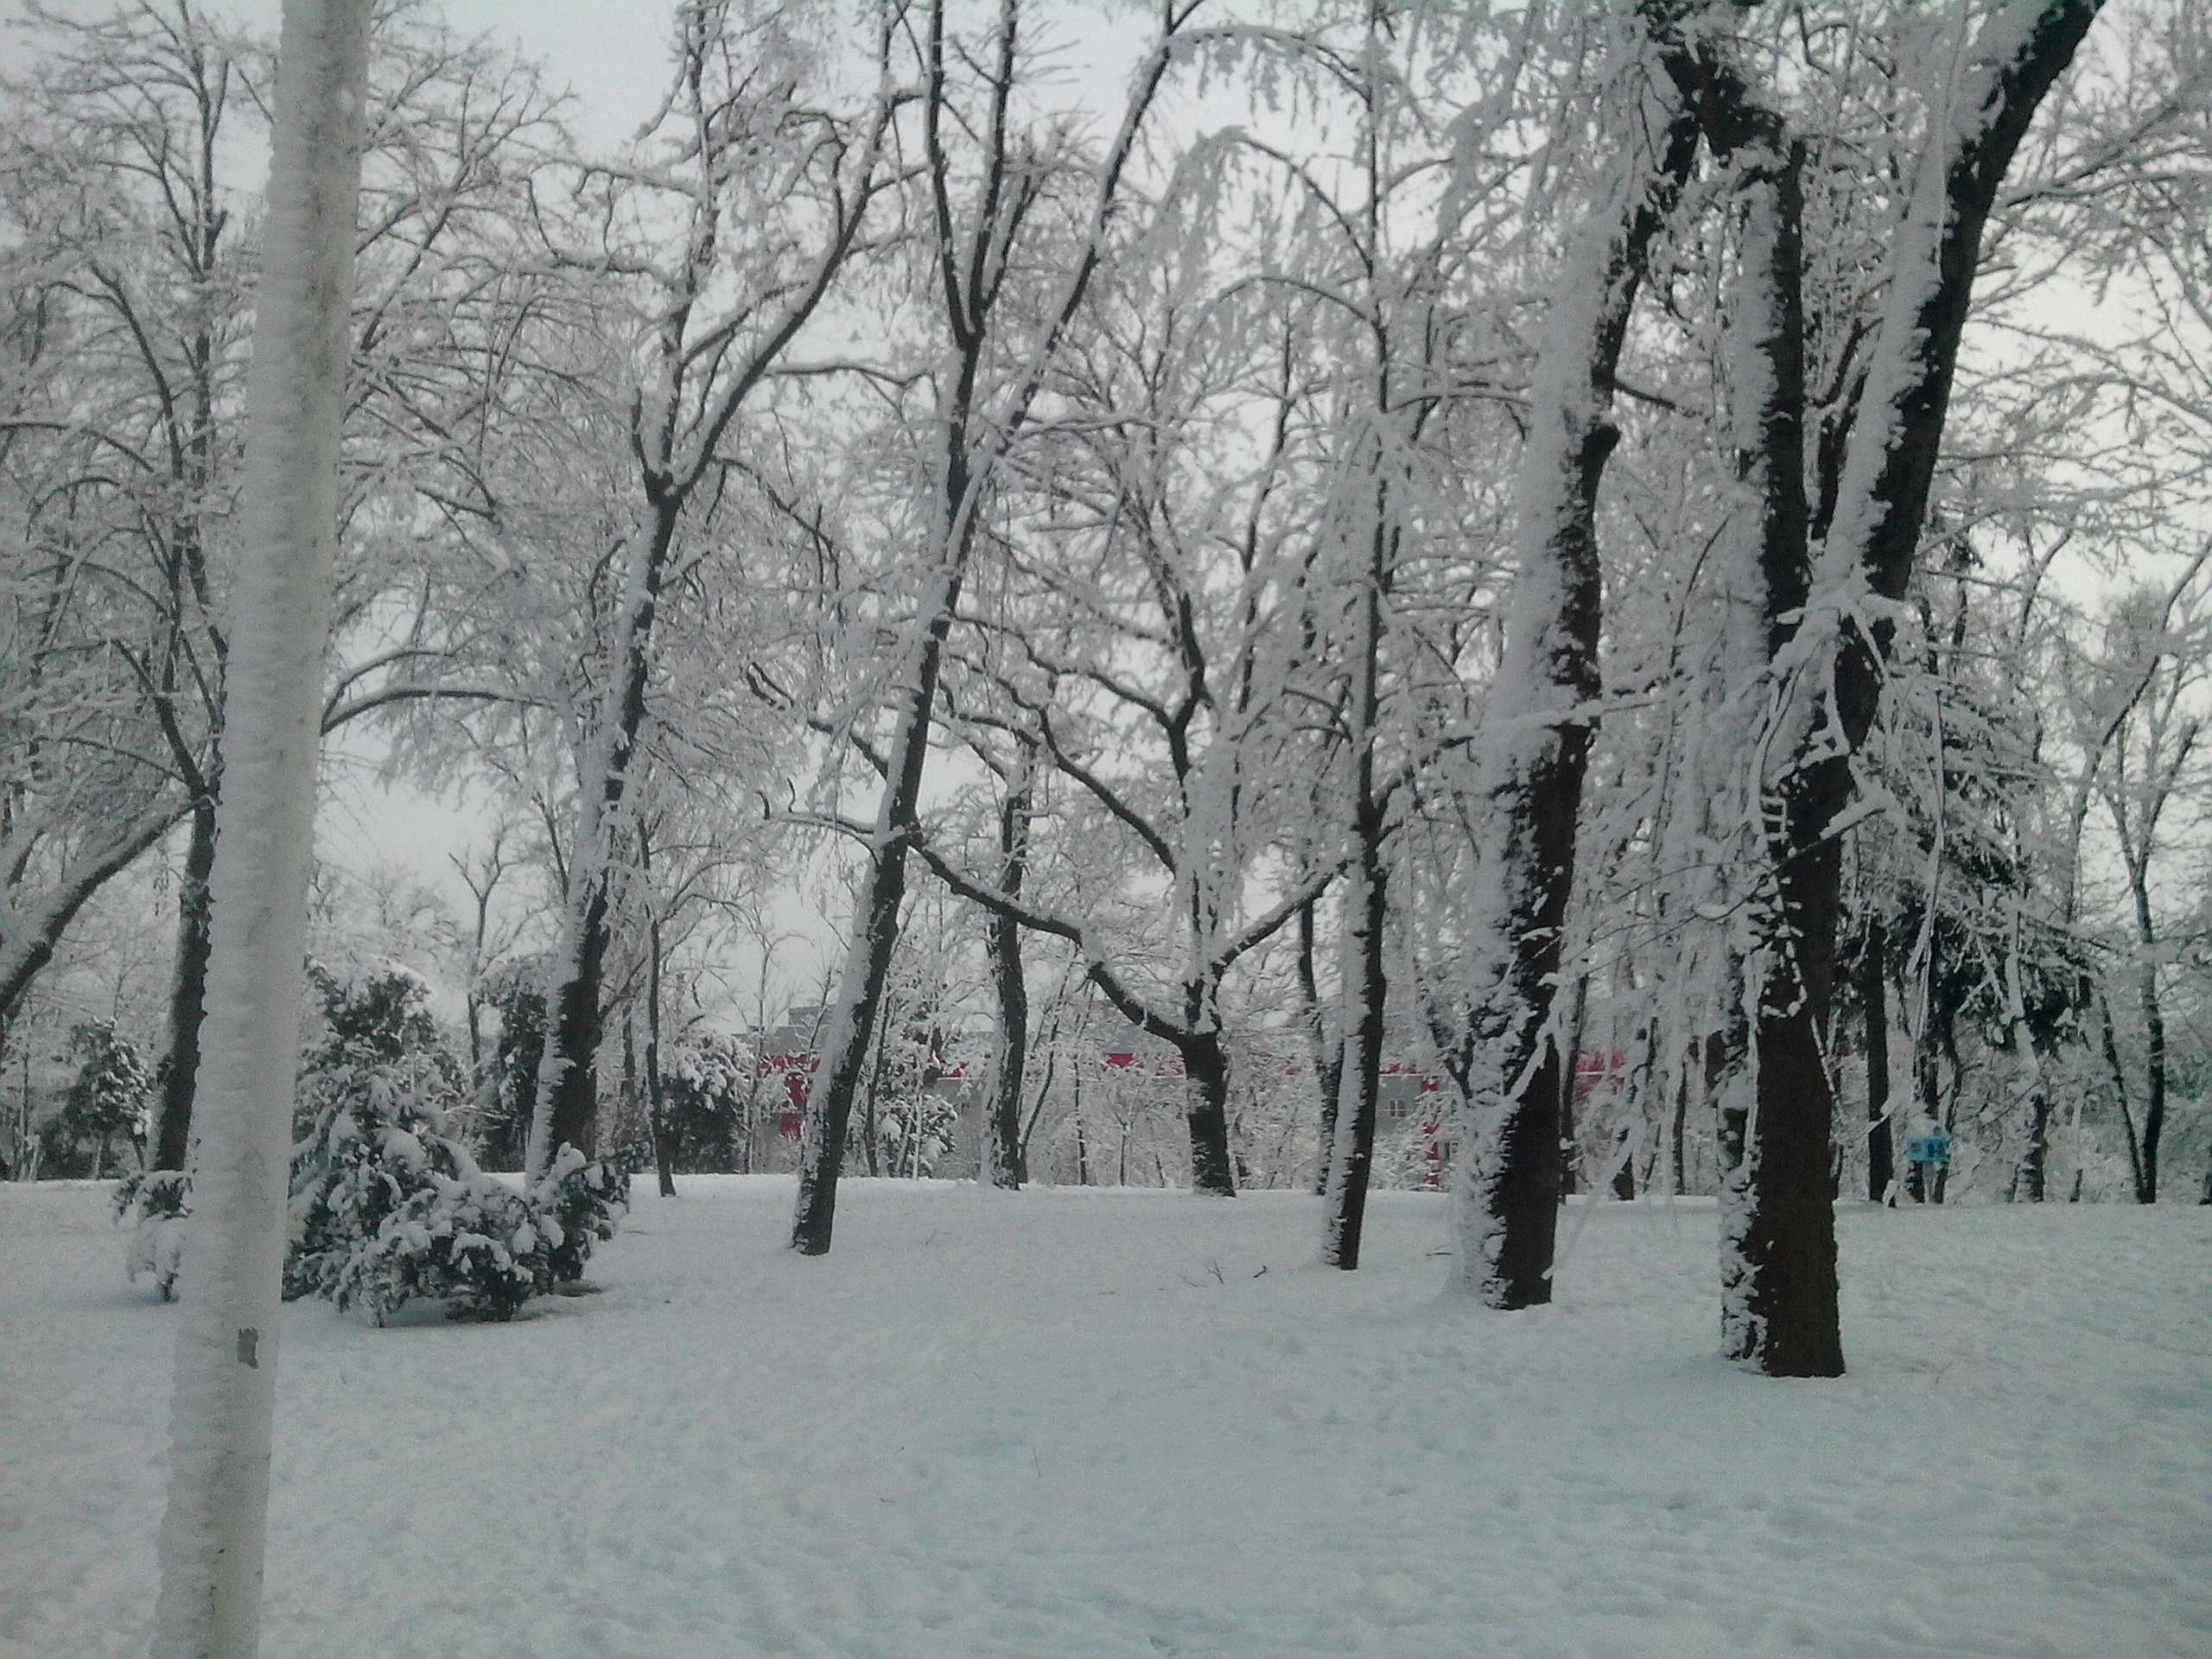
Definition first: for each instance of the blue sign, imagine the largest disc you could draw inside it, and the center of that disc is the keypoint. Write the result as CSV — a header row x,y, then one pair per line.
x,y
1929,1148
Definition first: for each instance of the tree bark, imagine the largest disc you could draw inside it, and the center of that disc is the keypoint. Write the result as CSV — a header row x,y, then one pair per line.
x,y
2154,1084
1778,1282
1779,1260
566,1112
1328,1058
187,996
1366,902
971,276
663,1141
1205,1082
1506,1202
212,1534
1507,1193
1874,995
1002,1149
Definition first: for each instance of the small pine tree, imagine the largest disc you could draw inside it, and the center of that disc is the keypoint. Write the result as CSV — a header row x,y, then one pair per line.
x,y
510,1087
705,1086
388,1207
106,1100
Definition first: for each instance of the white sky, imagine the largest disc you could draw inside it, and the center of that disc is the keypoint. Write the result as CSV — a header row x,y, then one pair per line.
x,y
611,53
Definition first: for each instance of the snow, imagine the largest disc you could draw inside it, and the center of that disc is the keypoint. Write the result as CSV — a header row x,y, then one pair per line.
x,y
1086,1423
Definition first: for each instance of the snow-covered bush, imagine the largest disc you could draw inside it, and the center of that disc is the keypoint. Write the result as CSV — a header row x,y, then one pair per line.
x,y
387,1207
155,1202
105,1104
580,1202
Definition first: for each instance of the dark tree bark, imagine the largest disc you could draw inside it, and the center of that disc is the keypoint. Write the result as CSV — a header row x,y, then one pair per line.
x,y
1328,1057
1205,1073
1002,1139
664,1141
1508,1208
1359,1073
1874,996
972,271
1779,1284
180,1070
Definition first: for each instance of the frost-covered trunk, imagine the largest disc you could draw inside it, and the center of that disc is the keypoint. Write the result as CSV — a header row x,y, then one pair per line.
x,y
566,1110
1778,1283
875,935
972,267
212,1537
1364,989
1358,1070
1778,1267
1538,723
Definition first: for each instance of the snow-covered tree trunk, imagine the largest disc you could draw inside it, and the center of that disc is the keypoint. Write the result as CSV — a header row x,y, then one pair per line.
x,y
1778,1253
973,261
212,1537
1783,1177
567,1107
1537,725
1365,902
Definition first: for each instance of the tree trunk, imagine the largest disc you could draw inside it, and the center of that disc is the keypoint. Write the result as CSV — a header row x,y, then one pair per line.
x,y
663,1141
566,1112
1506,1197
1779,1281
569,1066
2154,1085
1874,994
1002,1152
1570,1165
187,996
1205,1083
1366,901
213,1536
1328,1057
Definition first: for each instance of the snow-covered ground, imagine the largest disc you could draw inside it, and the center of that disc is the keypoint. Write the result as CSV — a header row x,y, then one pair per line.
x,y
1090,1424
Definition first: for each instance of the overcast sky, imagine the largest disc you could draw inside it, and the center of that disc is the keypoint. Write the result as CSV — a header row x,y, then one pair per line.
x,y
613,52
610,51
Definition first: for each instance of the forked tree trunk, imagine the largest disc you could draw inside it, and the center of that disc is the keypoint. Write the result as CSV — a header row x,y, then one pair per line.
x,y
972,273
1778,1266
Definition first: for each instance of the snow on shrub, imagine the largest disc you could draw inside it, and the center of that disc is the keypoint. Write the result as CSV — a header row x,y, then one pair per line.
x,y
155,1201
387,1207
